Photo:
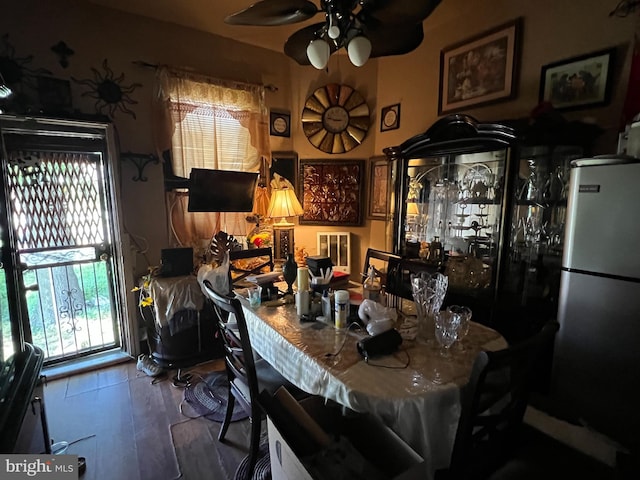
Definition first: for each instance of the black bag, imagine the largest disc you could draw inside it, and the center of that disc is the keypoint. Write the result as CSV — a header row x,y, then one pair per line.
x,y
384,343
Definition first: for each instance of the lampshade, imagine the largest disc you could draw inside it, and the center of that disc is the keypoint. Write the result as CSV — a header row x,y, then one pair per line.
x,y
284,204
318,52
359,49
412,208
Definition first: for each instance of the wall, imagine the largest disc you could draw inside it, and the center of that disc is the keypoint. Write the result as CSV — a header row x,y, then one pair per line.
x,y
96,34
552,31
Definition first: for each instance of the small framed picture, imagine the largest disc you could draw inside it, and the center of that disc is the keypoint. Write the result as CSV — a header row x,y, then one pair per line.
x,y
378,204
279,124
390,117
578,82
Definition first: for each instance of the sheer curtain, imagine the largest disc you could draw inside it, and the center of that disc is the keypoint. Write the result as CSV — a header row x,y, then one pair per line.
x,y
208,123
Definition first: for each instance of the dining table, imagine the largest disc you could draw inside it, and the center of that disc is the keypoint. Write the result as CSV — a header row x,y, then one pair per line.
x,y
415,391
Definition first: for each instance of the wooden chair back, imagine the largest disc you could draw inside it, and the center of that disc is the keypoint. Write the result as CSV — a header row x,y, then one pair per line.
x,y
238,353
493,405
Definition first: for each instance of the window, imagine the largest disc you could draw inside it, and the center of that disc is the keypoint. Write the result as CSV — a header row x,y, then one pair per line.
x,y
215,124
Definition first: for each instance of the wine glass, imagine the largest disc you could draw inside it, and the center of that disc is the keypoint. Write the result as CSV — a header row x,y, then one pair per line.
x,y
447,325
465,318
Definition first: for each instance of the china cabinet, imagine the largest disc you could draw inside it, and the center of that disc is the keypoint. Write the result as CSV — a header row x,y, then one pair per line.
x,y
451,204
485,203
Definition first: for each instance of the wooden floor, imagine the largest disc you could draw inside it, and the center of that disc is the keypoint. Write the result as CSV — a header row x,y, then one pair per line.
x,y
128,428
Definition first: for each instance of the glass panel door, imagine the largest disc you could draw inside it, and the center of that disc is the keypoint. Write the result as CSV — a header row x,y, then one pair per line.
x,y
61,232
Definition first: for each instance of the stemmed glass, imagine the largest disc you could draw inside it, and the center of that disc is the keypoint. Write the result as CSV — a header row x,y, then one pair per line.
x,y
465,314
447,325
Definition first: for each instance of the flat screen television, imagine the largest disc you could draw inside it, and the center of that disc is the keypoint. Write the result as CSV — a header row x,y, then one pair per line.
x,y
221,190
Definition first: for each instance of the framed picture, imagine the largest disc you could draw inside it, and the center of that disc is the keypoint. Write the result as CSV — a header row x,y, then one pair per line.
x,y
378,204
481,70
279,124
331,192
390,117
578,82
285,164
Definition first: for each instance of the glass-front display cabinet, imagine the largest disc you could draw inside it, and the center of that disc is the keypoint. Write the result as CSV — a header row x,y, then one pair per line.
x,y
485,203
451,208
537,220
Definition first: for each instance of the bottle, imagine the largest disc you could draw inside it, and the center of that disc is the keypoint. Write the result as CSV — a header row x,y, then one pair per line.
x,y
290,272
342,308
326,305
371,286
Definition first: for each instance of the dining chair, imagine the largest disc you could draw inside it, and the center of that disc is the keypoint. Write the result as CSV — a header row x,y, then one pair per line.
x,y
493,406
380,261
247,373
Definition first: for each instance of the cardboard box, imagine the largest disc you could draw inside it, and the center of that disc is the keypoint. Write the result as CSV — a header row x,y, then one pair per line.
x,y
313,440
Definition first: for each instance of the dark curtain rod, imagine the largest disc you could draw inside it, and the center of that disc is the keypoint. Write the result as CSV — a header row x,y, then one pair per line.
x,y
142,63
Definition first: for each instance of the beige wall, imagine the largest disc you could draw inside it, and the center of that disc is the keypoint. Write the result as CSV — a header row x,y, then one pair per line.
x,y
553,30
95,34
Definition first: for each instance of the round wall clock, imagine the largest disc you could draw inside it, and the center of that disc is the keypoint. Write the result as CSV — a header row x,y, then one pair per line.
x,y
335,118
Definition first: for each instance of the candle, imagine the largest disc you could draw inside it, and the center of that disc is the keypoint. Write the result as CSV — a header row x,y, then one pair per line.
x,y
303,279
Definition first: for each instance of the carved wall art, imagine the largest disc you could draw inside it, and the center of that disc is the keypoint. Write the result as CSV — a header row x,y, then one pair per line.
x,y
331,192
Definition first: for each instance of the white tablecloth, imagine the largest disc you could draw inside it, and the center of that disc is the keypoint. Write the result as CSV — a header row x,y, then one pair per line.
x,y
421,402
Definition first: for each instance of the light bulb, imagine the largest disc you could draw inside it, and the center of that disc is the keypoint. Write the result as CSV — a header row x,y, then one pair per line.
x,y
333,31
359,49
318,52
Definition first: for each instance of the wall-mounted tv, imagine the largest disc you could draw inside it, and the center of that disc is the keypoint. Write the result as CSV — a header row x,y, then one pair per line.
x,y
221,190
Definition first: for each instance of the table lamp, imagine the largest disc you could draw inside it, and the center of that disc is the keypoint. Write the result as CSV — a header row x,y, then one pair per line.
x,y
283,204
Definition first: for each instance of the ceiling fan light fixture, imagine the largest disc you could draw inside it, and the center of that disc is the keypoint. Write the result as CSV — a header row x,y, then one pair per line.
x,y
359,49
318,52
334,30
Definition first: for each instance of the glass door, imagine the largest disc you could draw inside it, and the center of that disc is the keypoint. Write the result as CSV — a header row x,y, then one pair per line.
x,y
450,210
58,250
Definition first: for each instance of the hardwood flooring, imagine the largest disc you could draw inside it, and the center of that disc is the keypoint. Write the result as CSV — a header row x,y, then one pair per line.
x,y
128,428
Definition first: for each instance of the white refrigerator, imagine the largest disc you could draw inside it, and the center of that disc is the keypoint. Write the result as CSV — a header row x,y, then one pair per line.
x,y
596,366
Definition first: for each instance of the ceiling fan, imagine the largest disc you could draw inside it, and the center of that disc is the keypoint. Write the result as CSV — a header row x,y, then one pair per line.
x,y
366,28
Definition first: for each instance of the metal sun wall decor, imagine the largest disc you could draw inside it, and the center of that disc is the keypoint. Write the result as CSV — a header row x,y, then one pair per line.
x,y
109,92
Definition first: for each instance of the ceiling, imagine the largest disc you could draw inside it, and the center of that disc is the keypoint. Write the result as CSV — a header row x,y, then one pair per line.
x,y
208,16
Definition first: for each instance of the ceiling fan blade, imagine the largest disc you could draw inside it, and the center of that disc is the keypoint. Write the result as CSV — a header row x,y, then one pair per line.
x,y
390,40
399,11
273,13
296,45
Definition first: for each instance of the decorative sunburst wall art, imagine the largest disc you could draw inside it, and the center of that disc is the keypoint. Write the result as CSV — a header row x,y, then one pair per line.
x,y
110,94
